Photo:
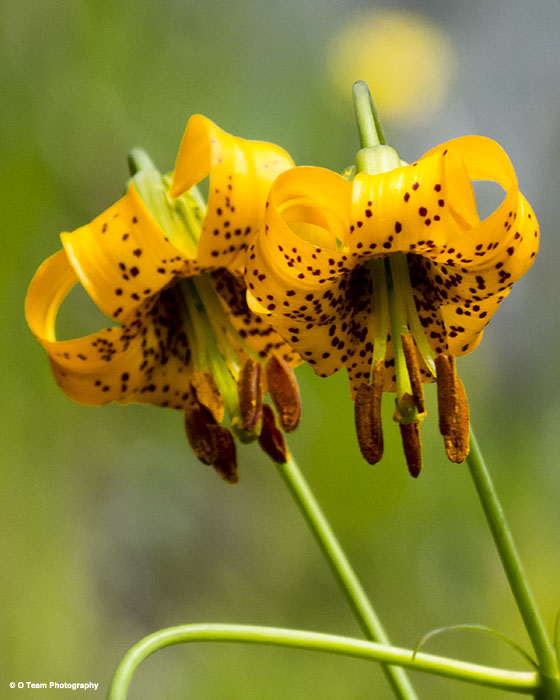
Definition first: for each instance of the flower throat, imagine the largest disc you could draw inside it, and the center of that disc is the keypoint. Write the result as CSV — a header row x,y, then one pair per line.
x,y
228,377
395,319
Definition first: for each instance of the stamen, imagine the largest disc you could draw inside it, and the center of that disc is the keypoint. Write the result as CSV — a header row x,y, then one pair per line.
x,y
199,434
410,433
453,410
399,327
211,443
216,320
380,311
413,366
446,392
367,415
211,352
208,394
250,389
271,439
401,280
284,390
457,443
226,462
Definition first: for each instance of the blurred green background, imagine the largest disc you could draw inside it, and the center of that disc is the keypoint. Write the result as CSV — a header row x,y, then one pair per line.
x,y
110,527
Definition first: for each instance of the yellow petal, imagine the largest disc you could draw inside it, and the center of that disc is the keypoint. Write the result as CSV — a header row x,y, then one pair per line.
x,y
253,330
422,208
470,279
241,173
319,298
299,287
144,361
122,257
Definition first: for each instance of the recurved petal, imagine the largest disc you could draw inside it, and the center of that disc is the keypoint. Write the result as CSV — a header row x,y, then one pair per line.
x,y
241,173
465,294
513,219
297,278
461,268
123,257
146,360
422,208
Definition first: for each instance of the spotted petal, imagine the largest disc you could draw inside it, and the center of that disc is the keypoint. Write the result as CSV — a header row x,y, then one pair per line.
x,y
241,173
296,274
123,257
461,268
147,360
253,334
318,295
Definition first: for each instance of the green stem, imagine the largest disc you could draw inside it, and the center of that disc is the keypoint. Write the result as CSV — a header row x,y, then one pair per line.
x,y
343,572
514,681
369,126
514,571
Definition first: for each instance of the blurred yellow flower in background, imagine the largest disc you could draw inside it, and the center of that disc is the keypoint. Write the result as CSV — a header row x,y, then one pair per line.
x,y
407,60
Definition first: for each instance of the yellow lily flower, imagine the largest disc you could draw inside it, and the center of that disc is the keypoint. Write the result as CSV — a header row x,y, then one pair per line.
x,y
392,275
168,273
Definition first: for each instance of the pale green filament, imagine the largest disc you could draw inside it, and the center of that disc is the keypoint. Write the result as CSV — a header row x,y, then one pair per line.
x,y
380,308
399,327
219,318
218,358
401,280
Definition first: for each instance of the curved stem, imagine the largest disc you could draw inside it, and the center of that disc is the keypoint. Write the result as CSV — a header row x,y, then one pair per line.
x,y
514,681
514,571
343,572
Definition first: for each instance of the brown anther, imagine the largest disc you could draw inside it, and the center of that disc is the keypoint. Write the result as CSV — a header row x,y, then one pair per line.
x,y
226,462
207,393
446,392
198,424
410,434
284,390
271,439
250,391
367,416
457,442
211,443
413,367
453,409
